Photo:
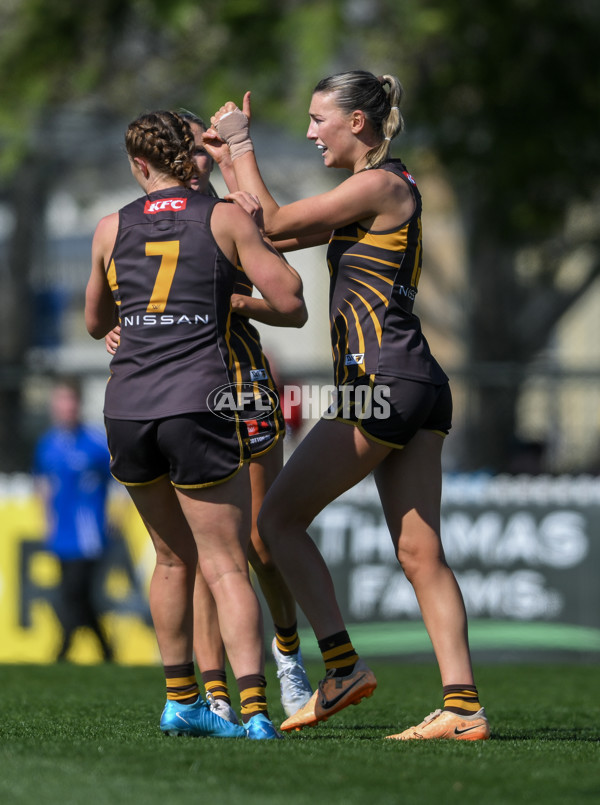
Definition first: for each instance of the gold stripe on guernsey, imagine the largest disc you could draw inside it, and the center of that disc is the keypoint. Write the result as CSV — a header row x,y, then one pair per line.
x,y
169,251
111,276
336,651
375,273
383,298
335,348
416,274
361,339
393,241
372,259
228,339
236,365
371,312
344,344
351,238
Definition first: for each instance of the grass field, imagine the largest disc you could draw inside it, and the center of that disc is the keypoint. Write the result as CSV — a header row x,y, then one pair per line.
x,y
88,735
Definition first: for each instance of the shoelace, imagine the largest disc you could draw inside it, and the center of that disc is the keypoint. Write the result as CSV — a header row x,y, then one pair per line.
x,y
431,716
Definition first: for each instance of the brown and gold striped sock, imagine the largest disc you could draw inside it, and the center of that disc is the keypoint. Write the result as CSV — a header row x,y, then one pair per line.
x,y
215,683
461,699
253,698
286,639
182,686
338,654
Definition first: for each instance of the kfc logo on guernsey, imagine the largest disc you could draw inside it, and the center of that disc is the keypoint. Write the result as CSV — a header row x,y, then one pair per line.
x,y
409,177
163,204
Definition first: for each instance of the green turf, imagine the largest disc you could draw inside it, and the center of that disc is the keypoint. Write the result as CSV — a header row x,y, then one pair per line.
x,y
88,735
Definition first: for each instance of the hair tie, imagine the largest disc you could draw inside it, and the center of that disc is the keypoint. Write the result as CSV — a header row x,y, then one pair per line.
x,y
395,107
388,138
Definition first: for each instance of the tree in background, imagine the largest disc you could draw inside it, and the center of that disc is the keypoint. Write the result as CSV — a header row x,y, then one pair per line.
x,y
506,96
503,97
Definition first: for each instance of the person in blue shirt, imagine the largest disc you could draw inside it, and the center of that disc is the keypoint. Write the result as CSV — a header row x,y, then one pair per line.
x,y
72,475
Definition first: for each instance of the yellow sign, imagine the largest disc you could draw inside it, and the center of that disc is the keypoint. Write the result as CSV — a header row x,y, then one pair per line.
x,y
29,576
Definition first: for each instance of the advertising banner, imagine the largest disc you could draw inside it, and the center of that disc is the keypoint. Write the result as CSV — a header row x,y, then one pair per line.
x,y
525,550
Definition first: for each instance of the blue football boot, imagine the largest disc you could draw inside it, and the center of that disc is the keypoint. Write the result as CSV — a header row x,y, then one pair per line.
x,y
260,728
197,719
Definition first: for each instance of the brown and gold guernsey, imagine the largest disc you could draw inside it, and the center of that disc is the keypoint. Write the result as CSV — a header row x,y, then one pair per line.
x,y
248,362
374,279
173,286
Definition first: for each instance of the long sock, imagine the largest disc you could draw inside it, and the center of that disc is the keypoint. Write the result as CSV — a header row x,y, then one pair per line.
x,y
182,686
215,683
338,654
286,639
461,699
253,698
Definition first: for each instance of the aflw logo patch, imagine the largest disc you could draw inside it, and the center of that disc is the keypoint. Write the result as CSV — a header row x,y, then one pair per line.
x,y
354,358
174,204
258,374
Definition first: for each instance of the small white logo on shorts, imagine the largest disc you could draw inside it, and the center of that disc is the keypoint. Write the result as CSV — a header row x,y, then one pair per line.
x,y
258,374
354,358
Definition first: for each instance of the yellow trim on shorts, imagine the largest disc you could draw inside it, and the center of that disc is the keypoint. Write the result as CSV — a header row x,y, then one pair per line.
x,y
372,438
213,483
242,461
365,434
141,483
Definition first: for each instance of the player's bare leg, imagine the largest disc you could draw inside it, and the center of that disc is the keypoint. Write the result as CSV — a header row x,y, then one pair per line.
x,y
295,687
409,482
332,458
307,483
171,591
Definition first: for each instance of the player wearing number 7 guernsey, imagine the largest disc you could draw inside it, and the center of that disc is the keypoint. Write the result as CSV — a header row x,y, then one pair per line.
x,y
165,267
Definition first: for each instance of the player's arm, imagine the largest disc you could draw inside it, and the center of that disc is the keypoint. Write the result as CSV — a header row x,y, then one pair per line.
x,y
363,196
101,313
310,221
278,283
253,307
302,242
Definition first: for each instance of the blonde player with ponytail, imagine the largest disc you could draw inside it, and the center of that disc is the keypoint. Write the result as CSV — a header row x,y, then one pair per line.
x,y
393,407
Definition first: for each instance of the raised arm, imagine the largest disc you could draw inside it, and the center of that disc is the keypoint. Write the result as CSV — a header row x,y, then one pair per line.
x,y
364,196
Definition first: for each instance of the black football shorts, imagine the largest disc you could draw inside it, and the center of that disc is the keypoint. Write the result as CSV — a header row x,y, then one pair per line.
x,y
194,450
390,410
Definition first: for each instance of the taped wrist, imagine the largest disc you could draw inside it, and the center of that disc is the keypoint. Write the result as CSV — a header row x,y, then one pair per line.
x,y
234,130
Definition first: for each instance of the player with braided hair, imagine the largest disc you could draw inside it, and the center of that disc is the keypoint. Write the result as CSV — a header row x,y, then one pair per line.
x,y
167,140
164,266
393,407
266,446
